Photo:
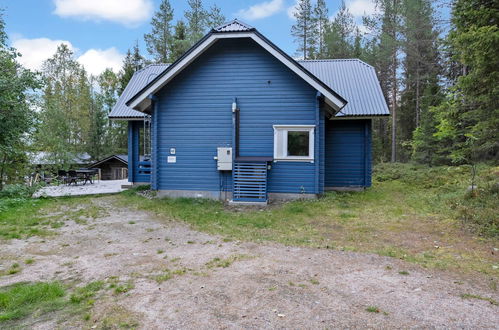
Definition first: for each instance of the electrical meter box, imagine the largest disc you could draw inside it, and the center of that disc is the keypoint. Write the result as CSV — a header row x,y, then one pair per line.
x,y
224,159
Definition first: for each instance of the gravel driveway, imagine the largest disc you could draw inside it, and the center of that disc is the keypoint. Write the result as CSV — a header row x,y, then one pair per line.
x,y
227,284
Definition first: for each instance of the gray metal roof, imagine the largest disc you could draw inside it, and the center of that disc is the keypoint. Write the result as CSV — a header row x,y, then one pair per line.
x,y
353,79
234,26
139,80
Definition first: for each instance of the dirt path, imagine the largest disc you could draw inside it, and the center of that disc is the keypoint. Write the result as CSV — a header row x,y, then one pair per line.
x,y
219,284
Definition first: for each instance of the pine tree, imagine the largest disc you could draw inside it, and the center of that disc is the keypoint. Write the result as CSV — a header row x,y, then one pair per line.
x,y
388,62
180,42
215,17
196,20
303,29
321,21
159,41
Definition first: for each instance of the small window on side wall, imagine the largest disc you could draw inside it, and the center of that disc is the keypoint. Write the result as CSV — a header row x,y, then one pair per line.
x,y
294,142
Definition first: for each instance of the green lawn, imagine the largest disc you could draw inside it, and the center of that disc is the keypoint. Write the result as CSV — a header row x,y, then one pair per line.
x,y
414,213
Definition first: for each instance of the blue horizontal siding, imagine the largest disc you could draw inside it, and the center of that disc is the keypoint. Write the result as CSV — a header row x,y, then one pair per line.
x,y
348,153
194,117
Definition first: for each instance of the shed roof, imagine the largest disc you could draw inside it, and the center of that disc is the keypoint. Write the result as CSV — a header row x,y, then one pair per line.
x,y
139,80
356,81
121,158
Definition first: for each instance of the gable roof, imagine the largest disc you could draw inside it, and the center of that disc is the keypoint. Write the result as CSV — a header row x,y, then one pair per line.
x,y
121,158
234,29
356,81
139,79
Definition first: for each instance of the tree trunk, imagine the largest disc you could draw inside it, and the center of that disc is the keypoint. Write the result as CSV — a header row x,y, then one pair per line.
x,y
418,114
394,106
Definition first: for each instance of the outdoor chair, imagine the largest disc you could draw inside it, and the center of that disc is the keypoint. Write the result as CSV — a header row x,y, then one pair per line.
x,y
72,177
62,176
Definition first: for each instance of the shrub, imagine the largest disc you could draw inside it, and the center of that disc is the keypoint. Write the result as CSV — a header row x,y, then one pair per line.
x,y
19,190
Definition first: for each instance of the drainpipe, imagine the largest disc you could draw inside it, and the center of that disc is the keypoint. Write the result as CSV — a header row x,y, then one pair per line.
x,y
154,142
317,141
235,130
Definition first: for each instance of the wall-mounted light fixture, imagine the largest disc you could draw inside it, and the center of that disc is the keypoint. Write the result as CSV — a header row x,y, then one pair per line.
x,y
234,105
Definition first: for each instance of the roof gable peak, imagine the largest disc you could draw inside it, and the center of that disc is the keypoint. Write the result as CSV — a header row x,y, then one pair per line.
x,y
234,26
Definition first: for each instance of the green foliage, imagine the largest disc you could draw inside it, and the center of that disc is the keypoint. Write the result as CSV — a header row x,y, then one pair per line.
x,y
339,37
181,42
159,40
196,17
86,292
215,17
21,299
303,29
17,115
19,191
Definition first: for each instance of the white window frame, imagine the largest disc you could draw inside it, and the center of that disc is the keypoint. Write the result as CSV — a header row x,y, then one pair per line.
x,y
281,142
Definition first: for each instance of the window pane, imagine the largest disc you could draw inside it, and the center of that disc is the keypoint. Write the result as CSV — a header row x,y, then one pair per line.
x,y
298,143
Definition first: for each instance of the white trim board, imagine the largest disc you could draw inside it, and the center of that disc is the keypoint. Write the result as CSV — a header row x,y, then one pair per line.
x,y
330,98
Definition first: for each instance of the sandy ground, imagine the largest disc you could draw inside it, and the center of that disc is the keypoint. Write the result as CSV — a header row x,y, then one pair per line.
x,y
266,285
98,187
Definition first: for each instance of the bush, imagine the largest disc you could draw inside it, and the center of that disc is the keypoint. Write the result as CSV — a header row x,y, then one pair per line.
x,y
478,208
19,190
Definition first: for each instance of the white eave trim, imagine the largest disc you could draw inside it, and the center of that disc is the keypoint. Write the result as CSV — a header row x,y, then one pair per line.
x,y
330,98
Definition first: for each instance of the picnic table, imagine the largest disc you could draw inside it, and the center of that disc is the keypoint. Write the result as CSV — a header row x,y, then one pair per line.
x,y
82,174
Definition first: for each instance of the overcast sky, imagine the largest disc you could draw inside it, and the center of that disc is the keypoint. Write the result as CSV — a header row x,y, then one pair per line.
x,y
100,31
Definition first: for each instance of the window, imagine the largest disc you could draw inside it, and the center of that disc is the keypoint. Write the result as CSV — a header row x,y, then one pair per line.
x,y
294,142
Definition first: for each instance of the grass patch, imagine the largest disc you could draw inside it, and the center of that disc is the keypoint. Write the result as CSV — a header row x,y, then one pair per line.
x,y
373,309
474,296
23,217
404,272
84,294
411,213
224,263
168,274
22,299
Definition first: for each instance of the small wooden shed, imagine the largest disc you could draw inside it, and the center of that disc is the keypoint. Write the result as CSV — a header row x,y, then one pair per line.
x,y
114,167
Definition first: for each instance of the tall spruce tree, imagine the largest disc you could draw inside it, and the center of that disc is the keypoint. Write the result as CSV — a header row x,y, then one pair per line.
x,y
196,20
303,29
181,42
159,40
127,71
469,123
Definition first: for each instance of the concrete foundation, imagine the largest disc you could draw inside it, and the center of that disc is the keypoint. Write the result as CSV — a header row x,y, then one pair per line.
x,y
353,188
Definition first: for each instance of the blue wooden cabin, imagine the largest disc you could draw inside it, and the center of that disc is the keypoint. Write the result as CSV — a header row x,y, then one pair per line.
x,y
235,118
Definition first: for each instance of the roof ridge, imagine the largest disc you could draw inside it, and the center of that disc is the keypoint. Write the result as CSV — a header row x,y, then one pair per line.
x,y
338,60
